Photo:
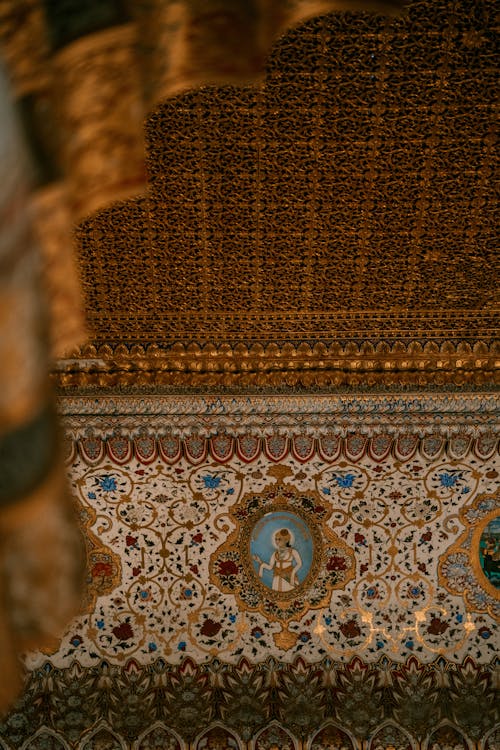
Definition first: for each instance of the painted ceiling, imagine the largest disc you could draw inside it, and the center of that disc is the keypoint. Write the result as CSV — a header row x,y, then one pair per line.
x,y
331,223
291,294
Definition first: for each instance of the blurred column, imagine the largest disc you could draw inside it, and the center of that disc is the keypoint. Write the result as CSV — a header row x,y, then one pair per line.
x,y
40,545
184,44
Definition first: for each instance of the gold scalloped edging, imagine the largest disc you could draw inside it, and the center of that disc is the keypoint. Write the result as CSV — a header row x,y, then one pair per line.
x,y
272,365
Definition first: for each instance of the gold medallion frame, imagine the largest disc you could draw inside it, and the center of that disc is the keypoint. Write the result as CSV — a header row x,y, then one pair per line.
x,y
332,567
474,556
317,556
459,569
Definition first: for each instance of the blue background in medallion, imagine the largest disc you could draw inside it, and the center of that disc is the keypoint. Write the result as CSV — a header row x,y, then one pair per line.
x,y
261,542
491,569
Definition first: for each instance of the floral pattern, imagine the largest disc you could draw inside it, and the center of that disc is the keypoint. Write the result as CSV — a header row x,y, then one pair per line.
x,y
164,641
152,530
160,705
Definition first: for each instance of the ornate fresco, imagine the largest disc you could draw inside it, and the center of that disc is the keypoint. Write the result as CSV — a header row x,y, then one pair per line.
x,y
276,585
291,532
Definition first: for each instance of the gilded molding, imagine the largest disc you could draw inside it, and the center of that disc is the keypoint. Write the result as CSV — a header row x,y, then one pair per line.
x,y
307,365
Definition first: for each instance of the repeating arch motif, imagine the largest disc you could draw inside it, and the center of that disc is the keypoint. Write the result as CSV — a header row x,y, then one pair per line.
x,y
388,735
103,738
159,737
332,737
217,737
492,740
447,737
274,737
45,739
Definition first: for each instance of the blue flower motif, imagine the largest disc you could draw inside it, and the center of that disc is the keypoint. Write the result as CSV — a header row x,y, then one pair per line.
x,y
345,481
91,495
181,646
409,644
448,480
211,482
232,618
152,646
107,483
326,491
328,620
230,491
100,624
459,618
380,644
465,490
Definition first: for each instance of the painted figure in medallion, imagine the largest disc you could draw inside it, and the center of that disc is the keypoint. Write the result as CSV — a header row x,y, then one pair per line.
x,y
285,561
489,552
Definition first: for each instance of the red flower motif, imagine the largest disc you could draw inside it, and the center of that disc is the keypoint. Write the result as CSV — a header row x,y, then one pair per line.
x,y
426,537
350,629
197,538
102,570
228,568
131,540
136,571
210,628
123,631
336,563
437,626
359,538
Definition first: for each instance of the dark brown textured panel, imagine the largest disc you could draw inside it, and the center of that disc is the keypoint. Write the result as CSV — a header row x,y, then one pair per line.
x,y
349,198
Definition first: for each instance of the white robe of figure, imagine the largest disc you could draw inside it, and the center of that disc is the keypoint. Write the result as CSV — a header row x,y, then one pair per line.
x,y
284,564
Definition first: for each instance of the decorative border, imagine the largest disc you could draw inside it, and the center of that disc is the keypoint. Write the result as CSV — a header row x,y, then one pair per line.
x,y
147,447
359,697
268,364
402,422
